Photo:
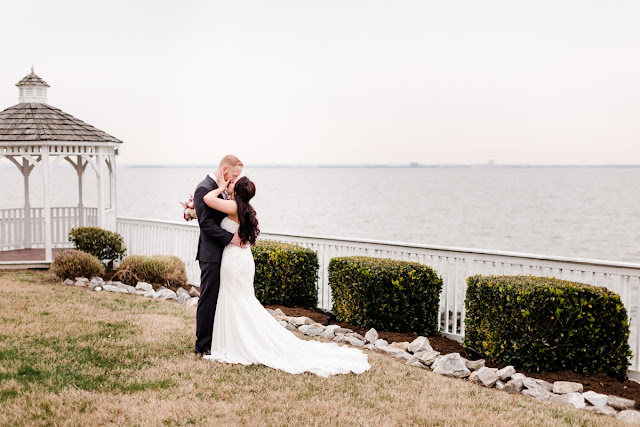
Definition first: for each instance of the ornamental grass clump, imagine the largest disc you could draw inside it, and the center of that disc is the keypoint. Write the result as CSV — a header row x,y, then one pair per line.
x,y
545,324
104,244
164,270
385,294
286,274
71,263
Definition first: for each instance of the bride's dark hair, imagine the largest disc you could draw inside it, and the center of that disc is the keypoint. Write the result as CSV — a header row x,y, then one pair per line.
x,y
244,191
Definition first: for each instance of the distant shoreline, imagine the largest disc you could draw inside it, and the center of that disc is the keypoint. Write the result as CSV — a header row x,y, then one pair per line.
x,y
412,166
356,166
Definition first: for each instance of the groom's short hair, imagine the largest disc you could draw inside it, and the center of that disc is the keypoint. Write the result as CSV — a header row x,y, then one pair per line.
x,y
230,160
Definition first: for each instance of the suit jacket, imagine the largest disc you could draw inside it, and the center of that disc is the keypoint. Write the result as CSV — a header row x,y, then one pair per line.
x,y
213,238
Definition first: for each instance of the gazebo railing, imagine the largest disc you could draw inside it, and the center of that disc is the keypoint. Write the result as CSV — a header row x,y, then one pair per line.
x,y
16,232
454,265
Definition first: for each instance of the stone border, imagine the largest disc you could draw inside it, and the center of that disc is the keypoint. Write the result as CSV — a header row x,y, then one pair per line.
x,y
420,354
182,296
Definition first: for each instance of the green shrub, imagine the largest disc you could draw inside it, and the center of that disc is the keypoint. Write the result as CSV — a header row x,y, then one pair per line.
x,y
546,324
286,274
385,294
104,244
157,269
71,263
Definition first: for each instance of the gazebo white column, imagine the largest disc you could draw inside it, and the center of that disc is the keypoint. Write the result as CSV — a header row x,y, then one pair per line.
x,y
26,171
48,251
99,176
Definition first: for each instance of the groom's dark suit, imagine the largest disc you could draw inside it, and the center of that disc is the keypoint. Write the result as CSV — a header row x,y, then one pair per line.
x,y
211,243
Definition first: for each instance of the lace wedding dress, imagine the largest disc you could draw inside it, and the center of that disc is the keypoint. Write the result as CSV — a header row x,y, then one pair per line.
x,y
244,332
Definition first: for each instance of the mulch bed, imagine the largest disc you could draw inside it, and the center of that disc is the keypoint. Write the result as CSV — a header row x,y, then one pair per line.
x,y
600,383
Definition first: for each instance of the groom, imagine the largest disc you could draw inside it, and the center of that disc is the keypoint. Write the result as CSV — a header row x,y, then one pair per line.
x,y
211,243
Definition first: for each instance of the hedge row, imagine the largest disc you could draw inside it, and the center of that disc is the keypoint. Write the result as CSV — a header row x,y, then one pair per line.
x,y
385,294
546,324
286,274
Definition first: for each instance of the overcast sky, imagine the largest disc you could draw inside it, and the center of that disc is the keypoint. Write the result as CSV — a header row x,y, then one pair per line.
x,y
339,82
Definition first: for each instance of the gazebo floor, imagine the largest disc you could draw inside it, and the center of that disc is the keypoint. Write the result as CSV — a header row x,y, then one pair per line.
x,y
25,258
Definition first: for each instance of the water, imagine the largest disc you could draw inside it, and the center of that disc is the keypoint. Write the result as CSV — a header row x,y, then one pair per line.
x,y
575,212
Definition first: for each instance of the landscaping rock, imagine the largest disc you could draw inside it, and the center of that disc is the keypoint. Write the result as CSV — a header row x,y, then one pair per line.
x,y
182,291
82,282
328,334
332,327
278,312
602,410
68,282
474,365
144,286
356,335
485,377
518,376
81,279
540,393
390,350
427,357
371,336
290,327
381,343
94,284
403,355
165,294
596,399
620,403
415,363
193,302
184,298
302,320
535,383
370,346
506,372
310,330
354,341
114,288
574,399
194,292
629,416
339,337
343,331
566,387
419,344
401,345
500,385
451,365
514,386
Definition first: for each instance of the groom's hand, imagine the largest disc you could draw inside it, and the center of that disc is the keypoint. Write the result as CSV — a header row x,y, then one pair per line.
x,y
236,241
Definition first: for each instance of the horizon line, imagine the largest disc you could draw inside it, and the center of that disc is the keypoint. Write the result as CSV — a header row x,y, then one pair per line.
x,y
381,165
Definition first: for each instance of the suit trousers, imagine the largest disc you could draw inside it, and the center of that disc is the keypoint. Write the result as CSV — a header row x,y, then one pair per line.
x,y
206,312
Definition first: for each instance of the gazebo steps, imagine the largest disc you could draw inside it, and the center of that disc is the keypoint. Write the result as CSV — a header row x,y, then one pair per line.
x,y
24,265
25,259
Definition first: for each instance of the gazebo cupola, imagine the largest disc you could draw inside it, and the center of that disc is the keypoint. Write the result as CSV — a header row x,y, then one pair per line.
x,y
32,89
36,135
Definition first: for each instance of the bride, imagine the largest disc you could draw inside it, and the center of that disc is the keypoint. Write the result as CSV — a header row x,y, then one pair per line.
x,y
243,331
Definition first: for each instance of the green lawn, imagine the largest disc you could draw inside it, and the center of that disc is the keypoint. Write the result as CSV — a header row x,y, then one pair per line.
x,y
69,356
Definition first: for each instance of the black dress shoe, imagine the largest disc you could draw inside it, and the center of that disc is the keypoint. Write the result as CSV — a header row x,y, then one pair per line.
x,y
202,353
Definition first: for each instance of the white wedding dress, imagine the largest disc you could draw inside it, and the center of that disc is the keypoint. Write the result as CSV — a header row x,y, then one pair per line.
x,y
244,332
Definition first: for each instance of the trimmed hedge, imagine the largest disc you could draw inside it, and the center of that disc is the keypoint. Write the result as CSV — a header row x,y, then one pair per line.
x,y
71,263
286,274
157,269
385,294
546,324
103,244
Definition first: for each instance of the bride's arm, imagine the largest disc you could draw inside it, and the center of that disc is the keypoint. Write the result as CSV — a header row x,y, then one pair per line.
x,y
227,206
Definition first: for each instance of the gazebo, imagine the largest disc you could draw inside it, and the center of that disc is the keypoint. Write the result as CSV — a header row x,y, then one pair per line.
x,y
35,135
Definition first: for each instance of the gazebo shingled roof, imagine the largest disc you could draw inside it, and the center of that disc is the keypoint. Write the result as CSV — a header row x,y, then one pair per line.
x,y
32,80
42,122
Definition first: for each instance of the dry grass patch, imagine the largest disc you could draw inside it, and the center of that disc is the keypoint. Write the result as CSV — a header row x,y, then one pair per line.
x,y
69,356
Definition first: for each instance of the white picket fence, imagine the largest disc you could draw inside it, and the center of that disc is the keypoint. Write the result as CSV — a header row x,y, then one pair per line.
x,y
454,265
15,235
